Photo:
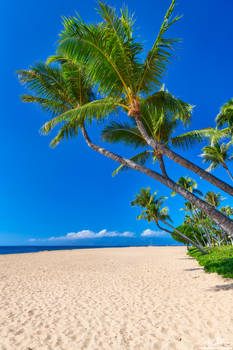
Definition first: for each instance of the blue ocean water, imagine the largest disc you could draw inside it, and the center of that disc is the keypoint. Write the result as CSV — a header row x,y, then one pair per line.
x,y
34,249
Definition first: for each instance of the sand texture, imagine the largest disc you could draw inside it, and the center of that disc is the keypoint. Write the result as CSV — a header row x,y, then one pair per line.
x,y
118,298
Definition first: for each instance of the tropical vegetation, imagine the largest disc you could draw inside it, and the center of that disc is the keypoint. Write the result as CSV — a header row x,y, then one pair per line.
x,y
197,229
154,210
219,260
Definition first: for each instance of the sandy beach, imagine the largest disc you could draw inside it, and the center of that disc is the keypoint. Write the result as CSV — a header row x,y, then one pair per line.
x,y
116,298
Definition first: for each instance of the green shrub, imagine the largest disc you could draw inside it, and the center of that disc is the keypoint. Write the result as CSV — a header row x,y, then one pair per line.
x,y
219,260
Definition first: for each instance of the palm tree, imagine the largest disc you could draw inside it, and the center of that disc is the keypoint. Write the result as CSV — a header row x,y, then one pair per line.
x,y
189,184
154,210
112,58
213,198
217,155
225,115
227,210
108,55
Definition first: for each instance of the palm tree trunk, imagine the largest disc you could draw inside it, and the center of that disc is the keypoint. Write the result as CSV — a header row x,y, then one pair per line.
x,y
221,219
204,227
191,224
195,236
161,164
180,160
178,233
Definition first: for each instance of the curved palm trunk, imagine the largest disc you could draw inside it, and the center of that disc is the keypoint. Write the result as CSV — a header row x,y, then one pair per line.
x,y
162,165
210,211
181,235
195,236
208,238
182,161
191,223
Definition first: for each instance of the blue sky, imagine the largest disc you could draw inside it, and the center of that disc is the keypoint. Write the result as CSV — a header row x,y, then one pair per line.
x,y
47,192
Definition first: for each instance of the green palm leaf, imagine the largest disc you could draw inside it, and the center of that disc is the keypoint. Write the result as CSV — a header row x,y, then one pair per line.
x,y
167,103
140,158
106,48
225,115
51,106
159,56
123,132
97,109
190,138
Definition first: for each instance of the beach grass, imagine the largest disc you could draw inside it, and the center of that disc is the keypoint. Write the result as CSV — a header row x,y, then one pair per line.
x,y
219,260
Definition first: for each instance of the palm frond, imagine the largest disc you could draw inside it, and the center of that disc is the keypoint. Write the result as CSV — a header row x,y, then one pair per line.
x,y
167,103
98,110
45,81
140,158
123,132
225,115
118,32
190,138
68,130
103,47
159,56
52,106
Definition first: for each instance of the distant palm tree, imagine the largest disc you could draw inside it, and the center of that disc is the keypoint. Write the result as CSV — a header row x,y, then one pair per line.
x,y
108,56
217,155
154,210
213,198
225,115
189,184
227,210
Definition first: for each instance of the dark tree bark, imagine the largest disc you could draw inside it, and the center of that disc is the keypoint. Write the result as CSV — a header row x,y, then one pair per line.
x,y
162,165
221,219
182,161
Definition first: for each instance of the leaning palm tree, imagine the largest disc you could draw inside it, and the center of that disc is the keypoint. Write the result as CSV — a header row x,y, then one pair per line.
x,y
154,210
225,115
104,54
217,155
113,61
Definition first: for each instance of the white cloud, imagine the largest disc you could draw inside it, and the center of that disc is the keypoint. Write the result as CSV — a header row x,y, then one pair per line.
x,y
88,234
84,234
150,233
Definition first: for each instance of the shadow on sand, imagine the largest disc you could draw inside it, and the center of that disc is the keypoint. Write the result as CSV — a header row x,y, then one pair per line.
x,y
220,287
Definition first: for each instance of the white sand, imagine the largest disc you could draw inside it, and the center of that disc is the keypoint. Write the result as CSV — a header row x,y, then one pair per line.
x,y
120,298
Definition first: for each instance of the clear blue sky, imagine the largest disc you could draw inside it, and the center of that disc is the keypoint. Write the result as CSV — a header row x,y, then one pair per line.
x,y
46,192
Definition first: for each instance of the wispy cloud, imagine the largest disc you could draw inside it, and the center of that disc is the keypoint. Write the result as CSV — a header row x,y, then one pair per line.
x,y
151,233
89,234
86,234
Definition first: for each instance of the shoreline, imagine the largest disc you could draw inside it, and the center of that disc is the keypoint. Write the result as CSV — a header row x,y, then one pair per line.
x,y
40,249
